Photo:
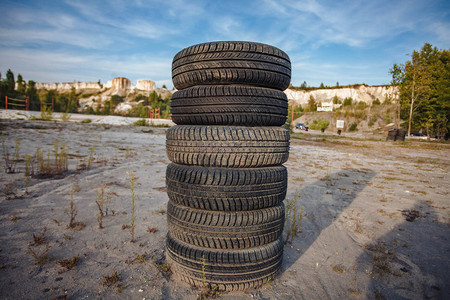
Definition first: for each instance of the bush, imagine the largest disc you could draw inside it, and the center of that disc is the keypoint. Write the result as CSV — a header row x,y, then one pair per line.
x,y
353,127
319,123
141,122
376,102
347,101
372,120
86,121
361,105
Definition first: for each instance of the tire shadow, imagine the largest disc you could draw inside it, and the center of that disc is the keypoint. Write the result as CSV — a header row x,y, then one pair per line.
x,y
323,202
412,261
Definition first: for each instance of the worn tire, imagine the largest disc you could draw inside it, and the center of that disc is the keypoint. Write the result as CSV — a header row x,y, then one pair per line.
x,y
225,230
224,189
243,63
229,270
229,105
227,146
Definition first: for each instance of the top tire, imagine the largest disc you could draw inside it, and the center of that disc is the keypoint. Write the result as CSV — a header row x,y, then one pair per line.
x,y
222,63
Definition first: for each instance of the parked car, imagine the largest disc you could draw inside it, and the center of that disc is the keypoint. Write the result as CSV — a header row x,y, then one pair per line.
x,y
301,126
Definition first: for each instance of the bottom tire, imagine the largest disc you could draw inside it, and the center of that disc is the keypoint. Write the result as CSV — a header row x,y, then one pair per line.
x,y
228,270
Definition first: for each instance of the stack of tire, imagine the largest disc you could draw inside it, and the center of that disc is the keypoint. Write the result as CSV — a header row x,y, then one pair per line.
x,y
226,182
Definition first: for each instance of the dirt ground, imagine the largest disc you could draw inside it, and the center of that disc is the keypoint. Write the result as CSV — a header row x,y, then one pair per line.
x,y
373,218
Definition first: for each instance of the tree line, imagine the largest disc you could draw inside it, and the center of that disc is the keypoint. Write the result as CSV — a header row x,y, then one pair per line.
x,y
69,102
424,91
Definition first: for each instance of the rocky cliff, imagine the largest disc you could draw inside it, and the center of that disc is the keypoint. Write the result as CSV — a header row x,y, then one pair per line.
x,y
64,87
363,93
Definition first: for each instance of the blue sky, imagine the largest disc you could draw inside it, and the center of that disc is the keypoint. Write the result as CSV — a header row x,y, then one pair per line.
x,y
328,41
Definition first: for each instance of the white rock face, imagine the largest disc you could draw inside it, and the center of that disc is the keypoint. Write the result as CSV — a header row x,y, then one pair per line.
x,y
362,93
145,85
67,86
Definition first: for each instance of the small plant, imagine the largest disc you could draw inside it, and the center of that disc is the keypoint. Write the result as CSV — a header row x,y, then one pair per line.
x,y
372,120
10,163
109,280
128,152
208,291
14,218
65,117
132,179
60,163
39,248
28,172
294,219
86,121
91,155
46,113
69,263
72,211
353,127
151,230
339,269
141,122
101,205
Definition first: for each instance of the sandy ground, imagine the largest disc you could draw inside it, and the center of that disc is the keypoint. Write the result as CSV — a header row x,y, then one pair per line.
x,y
375,218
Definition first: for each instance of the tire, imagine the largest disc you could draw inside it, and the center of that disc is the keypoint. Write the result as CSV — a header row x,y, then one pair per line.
x,y
243,63
224,189
225,230
229,270
227,146
229,105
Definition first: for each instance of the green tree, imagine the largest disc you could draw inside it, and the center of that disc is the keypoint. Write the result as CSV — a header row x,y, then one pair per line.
x,y
303,85
33,96
10,83
424,89
21,85
321,85
312,104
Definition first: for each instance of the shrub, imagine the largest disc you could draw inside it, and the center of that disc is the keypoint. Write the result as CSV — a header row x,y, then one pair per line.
x,y
141,122
372,120
361,105
347,101
319,123
376,102
353,127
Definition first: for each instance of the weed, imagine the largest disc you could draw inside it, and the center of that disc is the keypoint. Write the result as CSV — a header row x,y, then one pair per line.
x,y
160,212
46,113
339,269
40,254
353,292
101,205
72,211
132,179
139,258
208,291
14,218
60,163
39,239
381,257
141,122
10,190
86,121
39,248
151,230
10,163
65,117
109,280
28,172
91,155
294,219
69,263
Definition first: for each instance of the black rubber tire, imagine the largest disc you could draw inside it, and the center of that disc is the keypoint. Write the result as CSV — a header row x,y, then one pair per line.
x,y
224,189
244,63
229,105
229,270
227,146
225,230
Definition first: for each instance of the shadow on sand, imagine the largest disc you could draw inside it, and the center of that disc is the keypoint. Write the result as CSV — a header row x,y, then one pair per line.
x,y
323,201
